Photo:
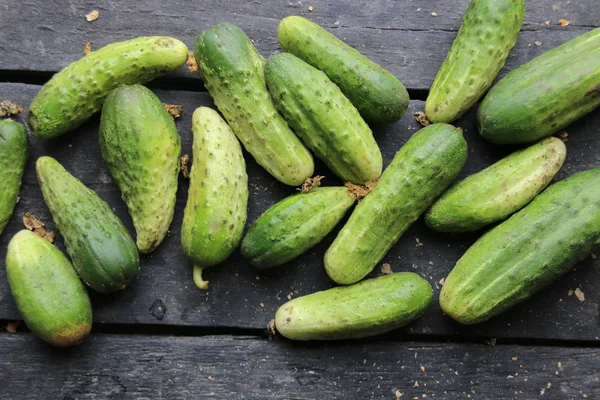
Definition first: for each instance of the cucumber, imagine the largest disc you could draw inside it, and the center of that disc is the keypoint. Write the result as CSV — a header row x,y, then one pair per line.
x,y
324,118
545,95
419,173
13,156
526,252
368,308
216,209
76,92
295,224
141,146
233,73
499,190
103,253
488,32
48,292
375,92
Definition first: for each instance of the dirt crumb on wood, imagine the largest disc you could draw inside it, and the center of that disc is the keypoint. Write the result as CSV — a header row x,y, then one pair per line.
x,y
422,118
174,109
442,281
563,136
564,22
593,255
36,225
191,62
11,327
386,269
87,49
271,331
547,22
537,43
491,341
8,108
92,16
399,394
257,187
434,14
579,294
311,183
185,162
310,8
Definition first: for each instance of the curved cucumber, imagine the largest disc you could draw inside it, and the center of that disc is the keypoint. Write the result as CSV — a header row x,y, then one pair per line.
x,y
13,156
544,95
233,73
375,92
499,190
216,209
324,118
368,308
141,146
295,224
100,247
76,92
526,252
419,173
488,32
47,290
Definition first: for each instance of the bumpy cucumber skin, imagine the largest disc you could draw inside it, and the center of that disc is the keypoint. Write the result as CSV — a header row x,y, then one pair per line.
x,y
216,209
526,252
76,92
103,253
141,146
295,224
488,32
377,94
324,118
544,95
233,73
499,190
48,292
13,156
419,173
368,308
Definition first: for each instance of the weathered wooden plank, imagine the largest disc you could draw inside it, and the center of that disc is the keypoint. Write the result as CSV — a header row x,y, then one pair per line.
x,y
238,292
224,367
45,36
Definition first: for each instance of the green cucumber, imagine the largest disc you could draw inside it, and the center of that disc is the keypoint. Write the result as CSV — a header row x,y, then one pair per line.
x,y
141,146
419,173
324,118
526,252
13,156
295,224
216,209
499,190
488,32
48,292
375,92
103,253
545,95
233,73
76,92
368,308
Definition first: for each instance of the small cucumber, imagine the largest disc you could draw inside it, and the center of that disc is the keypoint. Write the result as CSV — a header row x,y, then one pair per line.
x,y
527,251
76,92
233,73
141,146
48,292
216,209
324,118
419,173
103,253
545,95
13,156
375,92
499,190
368,308
488,32
295,224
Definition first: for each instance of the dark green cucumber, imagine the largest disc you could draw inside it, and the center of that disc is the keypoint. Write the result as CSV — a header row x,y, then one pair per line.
x,y
526,252
545,95
419,173
47,290
368,308
76,92
499,190
13,155
100,247
488,32
141,146
233,73
375,92
216,209
295,224
324,118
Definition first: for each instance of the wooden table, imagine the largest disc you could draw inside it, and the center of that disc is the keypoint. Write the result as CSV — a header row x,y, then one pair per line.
x,y
164,338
